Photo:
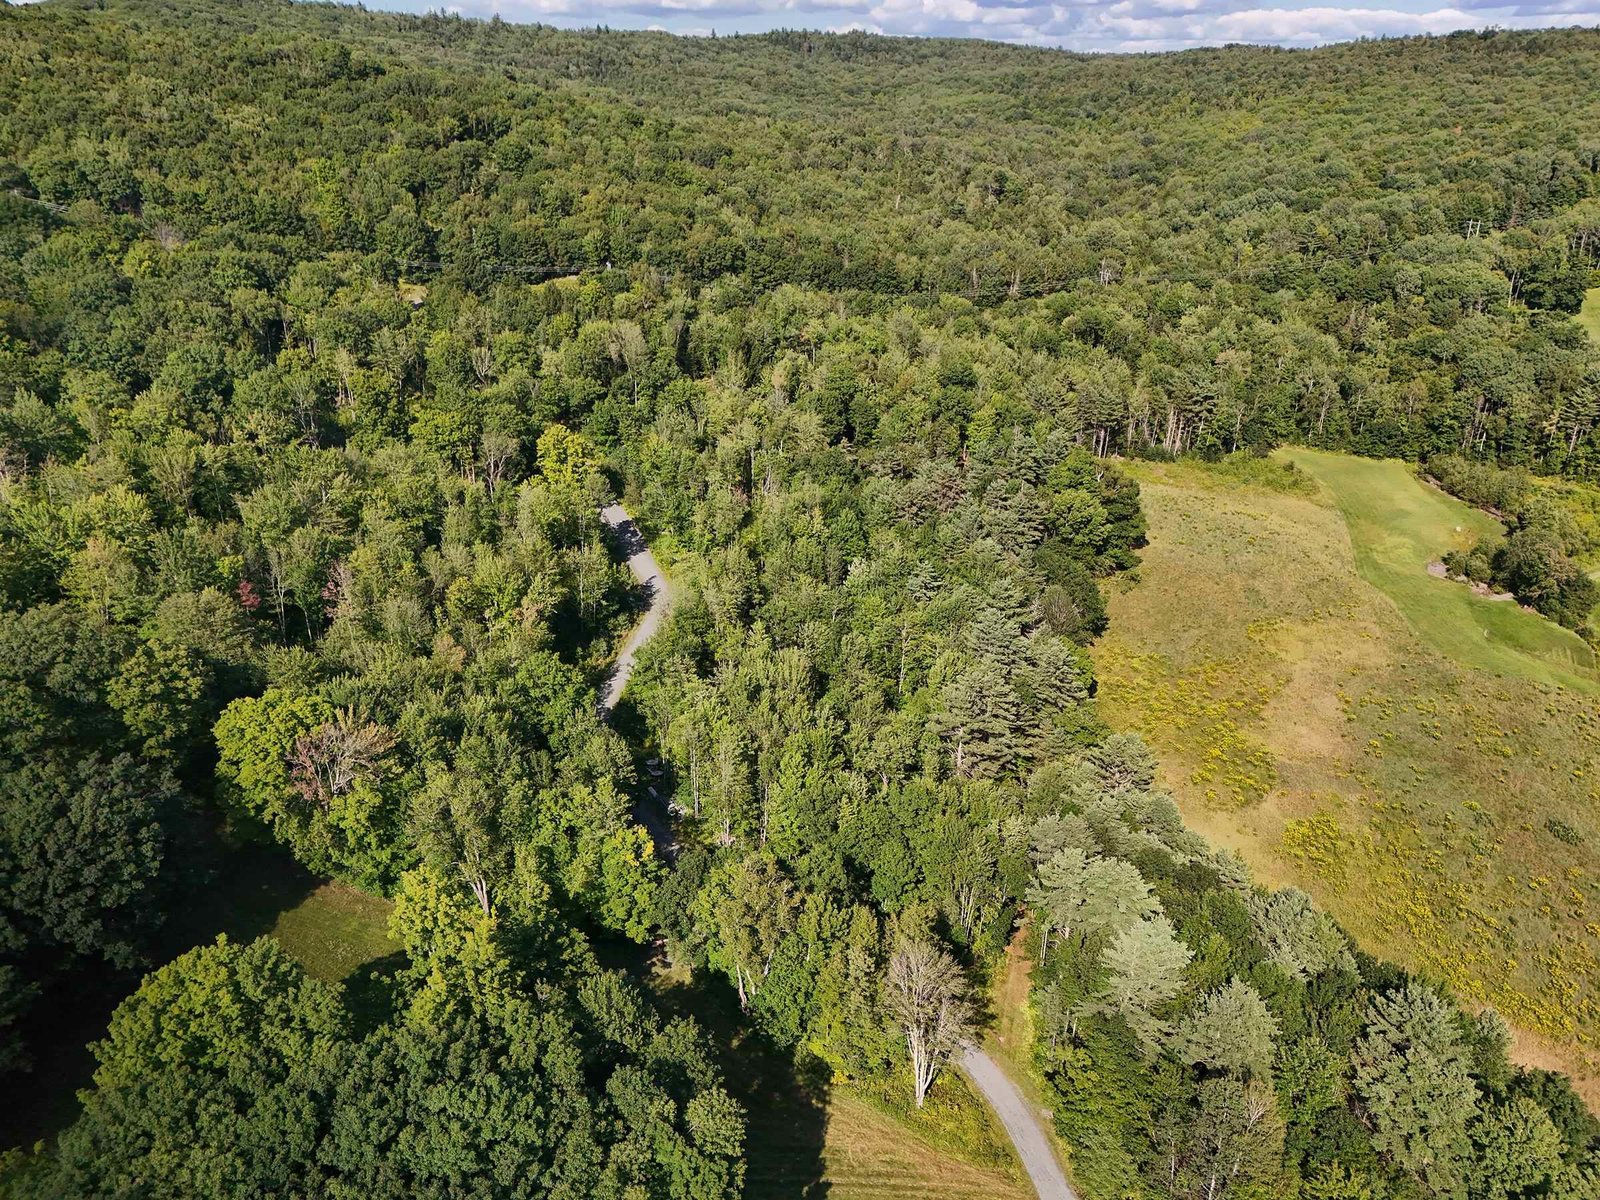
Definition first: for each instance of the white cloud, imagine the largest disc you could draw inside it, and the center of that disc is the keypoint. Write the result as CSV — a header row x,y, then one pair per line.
x,y
1103,25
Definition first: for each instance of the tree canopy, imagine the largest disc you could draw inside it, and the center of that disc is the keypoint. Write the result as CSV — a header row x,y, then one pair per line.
x,y
325,335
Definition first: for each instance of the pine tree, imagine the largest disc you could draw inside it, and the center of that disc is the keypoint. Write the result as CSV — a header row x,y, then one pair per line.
x,y
1517,1151
1231,1030
1080,895
1412,1077
1146,962
1297,937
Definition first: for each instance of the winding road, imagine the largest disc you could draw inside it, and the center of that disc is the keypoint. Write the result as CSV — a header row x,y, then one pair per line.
x,y
647,572
1020,1121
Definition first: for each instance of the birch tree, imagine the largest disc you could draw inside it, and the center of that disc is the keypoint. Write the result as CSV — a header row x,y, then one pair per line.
x,y
744,911
929,1000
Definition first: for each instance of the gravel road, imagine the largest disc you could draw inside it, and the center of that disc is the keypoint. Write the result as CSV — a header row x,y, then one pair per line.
x,y
648,572
1021,1122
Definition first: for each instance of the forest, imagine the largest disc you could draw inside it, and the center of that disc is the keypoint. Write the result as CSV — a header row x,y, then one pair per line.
x,y
324,337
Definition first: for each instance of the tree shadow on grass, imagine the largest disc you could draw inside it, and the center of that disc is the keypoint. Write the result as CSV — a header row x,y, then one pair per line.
x,y
371,989
242,892
231,889
785,1100
787,1124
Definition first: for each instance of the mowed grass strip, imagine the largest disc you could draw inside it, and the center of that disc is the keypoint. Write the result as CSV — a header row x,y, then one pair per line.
x,y
335,930
1009,1041
1398,525
1589,314
1447,814
868,1154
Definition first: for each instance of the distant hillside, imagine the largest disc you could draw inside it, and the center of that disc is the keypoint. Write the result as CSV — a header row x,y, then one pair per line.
x,y
1375,246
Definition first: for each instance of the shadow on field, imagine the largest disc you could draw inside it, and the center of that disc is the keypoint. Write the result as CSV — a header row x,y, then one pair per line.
x,y
785,1103
237,890
242,893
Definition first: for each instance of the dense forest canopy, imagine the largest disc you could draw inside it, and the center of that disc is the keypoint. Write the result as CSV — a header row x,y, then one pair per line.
x,y
1368,245
324,336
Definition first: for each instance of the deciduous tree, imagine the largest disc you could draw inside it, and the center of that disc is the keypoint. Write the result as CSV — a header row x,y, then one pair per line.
x,y
927,997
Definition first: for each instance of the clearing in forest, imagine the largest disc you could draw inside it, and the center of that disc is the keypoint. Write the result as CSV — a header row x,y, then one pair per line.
x,y
336,930
1421,759
1589,314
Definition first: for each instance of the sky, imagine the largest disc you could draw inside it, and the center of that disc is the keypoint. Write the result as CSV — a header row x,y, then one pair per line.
x,y
1087,25
1091,25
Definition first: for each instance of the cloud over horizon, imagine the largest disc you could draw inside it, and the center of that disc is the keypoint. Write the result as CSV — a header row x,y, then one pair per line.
x,y
1089,25
1095,26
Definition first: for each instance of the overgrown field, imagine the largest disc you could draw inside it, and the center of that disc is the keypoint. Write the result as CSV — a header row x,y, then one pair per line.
x,y
1422,759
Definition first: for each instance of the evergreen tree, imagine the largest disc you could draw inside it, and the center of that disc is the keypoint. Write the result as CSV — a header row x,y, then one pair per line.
x,y
1231,1030
1146,962
1412,1079
1079,896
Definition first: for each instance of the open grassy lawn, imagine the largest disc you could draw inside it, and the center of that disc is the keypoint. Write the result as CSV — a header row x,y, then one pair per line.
x,y
868,1155
335,930
1589,314
1423,760
1398,526
332,928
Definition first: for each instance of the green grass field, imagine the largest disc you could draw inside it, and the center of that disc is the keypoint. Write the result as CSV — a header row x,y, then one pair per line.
x,y
1397,527
1589,314
332,928
335,930
1422,759
869,1152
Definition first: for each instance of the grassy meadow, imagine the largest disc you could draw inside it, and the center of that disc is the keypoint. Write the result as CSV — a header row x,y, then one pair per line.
x,y
1589,314
1397,527
1420,758
335,930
